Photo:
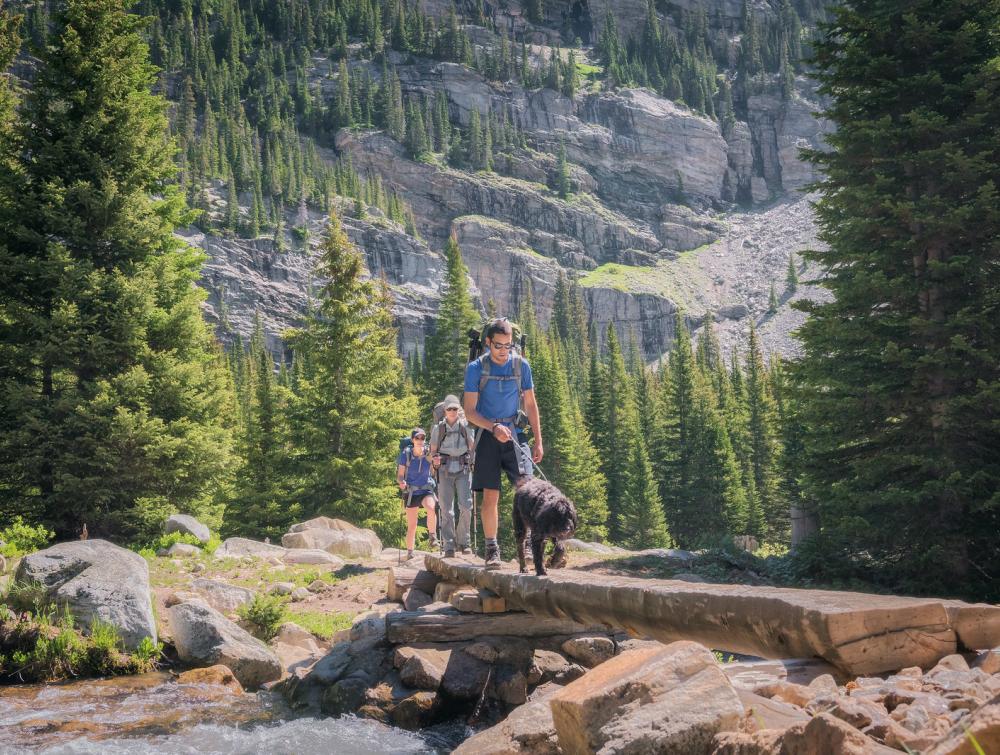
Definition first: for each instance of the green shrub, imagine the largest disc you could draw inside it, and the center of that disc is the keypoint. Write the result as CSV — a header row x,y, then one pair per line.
x,y
20,538
264,614
149,550
323,624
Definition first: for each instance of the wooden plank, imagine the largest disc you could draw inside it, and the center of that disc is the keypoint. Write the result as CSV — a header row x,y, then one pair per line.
x,y
447,624
402,579
859,633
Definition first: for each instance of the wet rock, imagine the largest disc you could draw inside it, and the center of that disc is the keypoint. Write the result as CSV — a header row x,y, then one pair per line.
x,y
222,596
218,675
421,667
529,729
96,580
204,637
589,651
415,711
511,685
345,696
675,698
465,676
187,525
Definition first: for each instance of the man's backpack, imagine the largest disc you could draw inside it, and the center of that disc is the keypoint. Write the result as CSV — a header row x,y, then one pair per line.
x,y
478,350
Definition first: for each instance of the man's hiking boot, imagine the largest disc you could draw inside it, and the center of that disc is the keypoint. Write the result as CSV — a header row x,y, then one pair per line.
x,y
492,556
450,553
466,550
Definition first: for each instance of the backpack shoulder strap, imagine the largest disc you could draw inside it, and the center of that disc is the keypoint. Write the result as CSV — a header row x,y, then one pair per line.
x,y
484,377
517,372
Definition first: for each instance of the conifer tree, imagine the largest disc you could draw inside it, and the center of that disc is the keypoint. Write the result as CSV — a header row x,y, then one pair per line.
x,y
763,439
447,346
350,407
260,505
571,77
791,276
899,382
535,11
562,173
117,409
772,300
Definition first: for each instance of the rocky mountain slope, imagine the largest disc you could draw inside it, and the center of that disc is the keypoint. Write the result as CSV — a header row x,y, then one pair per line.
x,y
669,210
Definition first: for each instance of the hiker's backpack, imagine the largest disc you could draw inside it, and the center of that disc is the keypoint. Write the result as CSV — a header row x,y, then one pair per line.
x,y
441,430
478,350
406,447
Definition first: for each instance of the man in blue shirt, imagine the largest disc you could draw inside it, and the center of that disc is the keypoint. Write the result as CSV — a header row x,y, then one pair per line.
x,y
494,409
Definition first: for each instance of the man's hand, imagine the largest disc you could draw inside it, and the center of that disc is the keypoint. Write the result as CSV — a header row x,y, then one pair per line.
x,y
502,433
537,452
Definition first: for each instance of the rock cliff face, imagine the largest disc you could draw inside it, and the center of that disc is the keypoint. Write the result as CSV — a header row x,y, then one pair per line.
x,y
661,197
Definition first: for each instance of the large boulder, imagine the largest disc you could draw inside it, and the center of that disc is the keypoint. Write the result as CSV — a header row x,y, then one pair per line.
x,y
238,547
313,556
333,536
222,596
188,525
96,580
204,637
528,730
670,699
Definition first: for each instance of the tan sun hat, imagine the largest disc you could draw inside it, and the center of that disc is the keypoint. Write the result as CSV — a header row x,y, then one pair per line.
x,y
451,401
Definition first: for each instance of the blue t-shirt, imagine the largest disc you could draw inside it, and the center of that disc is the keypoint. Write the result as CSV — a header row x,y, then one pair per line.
x,y
418,472
499,398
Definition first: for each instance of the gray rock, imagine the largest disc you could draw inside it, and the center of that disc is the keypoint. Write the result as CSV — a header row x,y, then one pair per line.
x,y
312,556
96,580
183,550
301,593
187,525
238,547
529,730
465,676
590,651
205,637
222,596
346,543
282,588
421,667
415,598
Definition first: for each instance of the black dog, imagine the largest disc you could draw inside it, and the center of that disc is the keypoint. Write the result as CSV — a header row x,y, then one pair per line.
x,y
541,509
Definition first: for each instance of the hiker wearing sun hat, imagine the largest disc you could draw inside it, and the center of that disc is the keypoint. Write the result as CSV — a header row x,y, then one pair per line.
x,y
451,451
414,475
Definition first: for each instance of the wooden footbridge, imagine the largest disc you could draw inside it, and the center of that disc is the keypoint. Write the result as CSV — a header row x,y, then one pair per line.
x,y
859,633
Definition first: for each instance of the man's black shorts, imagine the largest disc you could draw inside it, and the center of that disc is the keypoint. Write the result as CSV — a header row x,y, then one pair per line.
x,y
492,456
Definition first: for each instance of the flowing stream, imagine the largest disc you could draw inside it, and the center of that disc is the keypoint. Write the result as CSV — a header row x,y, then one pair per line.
x,y
154,713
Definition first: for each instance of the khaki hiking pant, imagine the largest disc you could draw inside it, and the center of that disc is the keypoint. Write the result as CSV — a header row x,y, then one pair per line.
x,y
450,487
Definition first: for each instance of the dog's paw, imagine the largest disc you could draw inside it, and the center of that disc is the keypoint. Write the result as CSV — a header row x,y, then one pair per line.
x,y
540,571
556,562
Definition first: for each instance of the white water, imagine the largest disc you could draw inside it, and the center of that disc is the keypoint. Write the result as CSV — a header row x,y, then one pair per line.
x,y
303,736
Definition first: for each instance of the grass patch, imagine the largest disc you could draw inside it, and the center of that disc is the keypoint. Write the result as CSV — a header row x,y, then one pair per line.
x,y
42,644
681,280
323,624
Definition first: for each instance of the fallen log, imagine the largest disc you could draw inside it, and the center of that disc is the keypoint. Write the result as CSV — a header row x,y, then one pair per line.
x,y
859,633
446,624
402,579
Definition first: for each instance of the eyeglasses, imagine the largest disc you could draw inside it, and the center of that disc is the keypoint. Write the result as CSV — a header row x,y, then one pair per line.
x,y
502,346
452,409
419,437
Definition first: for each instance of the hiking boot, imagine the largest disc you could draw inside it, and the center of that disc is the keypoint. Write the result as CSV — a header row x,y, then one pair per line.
x,y
450,553
409,554
492,556
433,542
466,550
